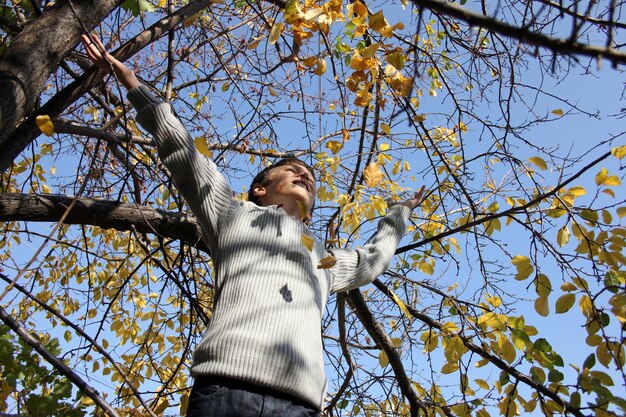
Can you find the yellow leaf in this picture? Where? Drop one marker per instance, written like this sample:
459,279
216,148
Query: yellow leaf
272,92
562,237
577,191
334,146
482,383
612,181
363,98
558,112
225,86
313,13
543,286
310,61
541,306
302,210
327,262
449,327
386,130
346,135
320,69
539,162
161,406
202,146
601,176
372,175
184,403
524,267
377,21
275,33
45,124
621,212
619,152
397,59
370,51
493,320
307,241
400,303
383,359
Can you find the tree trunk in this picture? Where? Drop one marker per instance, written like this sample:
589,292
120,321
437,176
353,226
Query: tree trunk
36,52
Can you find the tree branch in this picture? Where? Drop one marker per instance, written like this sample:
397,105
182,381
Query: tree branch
557,45
102,213
57,363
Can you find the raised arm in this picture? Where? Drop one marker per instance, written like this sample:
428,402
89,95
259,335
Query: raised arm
107,62
206,191
361,266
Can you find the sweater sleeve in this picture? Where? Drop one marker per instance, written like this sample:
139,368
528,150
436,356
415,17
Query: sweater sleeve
205,189
361,266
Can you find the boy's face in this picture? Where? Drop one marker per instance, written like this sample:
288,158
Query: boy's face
287,184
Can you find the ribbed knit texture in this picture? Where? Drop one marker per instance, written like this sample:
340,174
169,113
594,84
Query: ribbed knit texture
270,296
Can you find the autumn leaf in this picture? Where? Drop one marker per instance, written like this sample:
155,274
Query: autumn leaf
405,310
397,59
302,210
334,146
45,124
523,265
619,152
202,146
539,162
327,262
372,175
307,241
377,21
275,33
320,68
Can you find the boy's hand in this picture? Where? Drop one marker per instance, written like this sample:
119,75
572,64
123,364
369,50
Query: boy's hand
412,202
105,61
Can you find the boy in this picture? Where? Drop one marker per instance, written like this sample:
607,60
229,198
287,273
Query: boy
262,352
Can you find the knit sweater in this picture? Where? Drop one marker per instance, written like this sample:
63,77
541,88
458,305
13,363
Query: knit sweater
265,328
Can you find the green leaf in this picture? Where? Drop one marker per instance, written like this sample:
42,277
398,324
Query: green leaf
137,6
555,376
590,361
564,303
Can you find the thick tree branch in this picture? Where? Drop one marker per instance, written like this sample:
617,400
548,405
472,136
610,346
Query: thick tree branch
382,338
101,213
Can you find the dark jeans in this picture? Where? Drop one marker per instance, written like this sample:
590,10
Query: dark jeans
219,397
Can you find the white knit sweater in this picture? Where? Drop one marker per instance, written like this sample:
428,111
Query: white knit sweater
265,328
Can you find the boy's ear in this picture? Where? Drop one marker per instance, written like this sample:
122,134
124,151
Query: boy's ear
259,190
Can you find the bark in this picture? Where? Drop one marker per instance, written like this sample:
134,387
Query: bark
101,213
37,51
17,139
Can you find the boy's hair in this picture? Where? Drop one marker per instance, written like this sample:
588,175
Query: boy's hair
263,176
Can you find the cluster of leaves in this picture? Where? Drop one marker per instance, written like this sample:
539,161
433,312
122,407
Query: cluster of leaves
38,390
